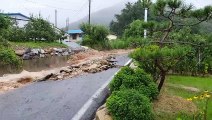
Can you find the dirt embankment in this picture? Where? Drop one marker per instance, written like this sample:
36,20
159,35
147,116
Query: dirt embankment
90,61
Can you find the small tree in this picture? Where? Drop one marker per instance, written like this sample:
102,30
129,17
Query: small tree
95,36
40,29
166,52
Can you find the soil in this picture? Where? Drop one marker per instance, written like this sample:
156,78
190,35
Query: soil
85,59
173,104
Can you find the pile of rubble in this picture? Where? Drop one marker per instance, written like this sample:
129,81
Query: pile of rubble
41,53
93,66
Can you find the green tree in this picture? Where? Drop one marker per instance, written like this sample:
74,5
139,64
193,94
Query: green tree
95,36
165,52
39,29
130,13
7,55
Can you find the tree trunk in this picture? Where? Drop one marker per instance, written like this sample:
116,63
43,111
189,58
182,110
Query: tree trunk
162,80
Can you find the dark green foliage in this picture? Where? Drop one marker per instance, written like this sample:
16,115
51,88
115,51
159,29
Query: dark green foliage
7,55
129,14
9,58
4,23
95,36
39,29
129,105
137,79
128,42
136,29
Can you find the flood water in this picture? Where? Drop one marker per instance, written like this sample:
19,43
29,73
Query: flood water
36,65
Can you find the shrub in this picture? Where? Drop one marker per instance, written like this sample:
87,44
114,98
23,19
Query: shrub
9,58
129,105
130,42
119,44
95,36
137,79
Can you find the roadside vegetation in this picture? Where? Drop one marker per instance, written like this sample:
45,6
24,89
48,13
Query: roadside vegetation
177,43
42,45
7,55
132,90
95,36
38,33
196,89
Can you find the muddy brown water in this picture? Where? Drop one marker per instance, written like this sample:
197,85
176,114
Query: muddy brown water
35,65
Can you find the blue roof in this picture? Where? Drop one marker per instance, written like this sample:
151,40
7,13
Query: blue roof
10,14
74,31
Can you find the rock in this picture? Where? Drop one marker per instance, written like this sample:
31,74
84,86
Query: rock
49,51
65,53
75,66
103,114
66,71
60,50
32,54
20,52
55,49
42,51
59,77
93,70
28,50
26,57
46,78
52,54
85,47
104,67
69,50
42,55
35,51
104,62
64,50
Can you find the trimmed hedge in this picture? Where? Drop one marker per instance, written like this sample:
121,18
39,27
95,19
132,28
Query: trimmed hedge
129,105
136,79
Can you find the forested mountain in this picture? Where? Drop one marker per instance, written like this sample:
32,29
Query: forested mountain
103,17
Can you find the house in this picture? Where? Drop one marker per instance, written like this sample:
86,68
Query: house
19,19
75,35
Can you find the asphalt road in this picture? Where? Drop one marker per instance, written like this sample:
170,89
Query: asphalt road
53,100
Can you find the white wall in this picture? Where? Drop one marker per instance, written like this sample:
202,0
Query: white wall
22,22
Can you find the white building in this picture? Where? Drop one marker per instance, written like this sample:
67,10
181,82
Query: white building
20,19
75,35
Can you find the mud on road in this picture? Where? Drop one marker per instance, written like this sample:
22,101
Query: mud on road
89,61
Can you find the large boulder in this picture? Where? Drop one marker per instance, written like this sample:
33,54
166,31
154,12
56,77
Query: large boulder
20,52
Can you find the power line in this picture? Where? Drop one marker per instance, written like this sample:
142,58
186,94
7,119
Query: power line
54,7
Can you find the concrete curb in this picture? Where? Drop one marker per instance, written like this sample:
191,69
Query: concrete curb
90,107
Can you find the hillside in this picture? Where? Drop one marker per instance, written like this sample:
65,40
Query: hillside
103,17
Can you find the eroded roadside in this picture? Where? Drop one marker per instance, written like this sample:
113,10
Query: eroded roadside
89,61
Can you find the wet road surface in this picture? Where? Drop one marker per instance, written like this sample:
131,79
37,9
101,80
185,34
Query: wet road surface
53,100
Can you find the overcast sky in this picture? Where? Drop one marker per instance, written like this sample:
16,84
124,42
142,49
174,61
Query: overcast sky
74,9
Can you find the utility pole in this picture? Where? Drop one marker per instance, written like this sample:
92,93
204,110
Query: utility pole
89,19
145,20
55,18
67,24
146,4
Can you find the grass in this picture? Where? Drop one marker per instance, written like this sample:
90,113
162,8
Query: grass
119,44
16,45
202,83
